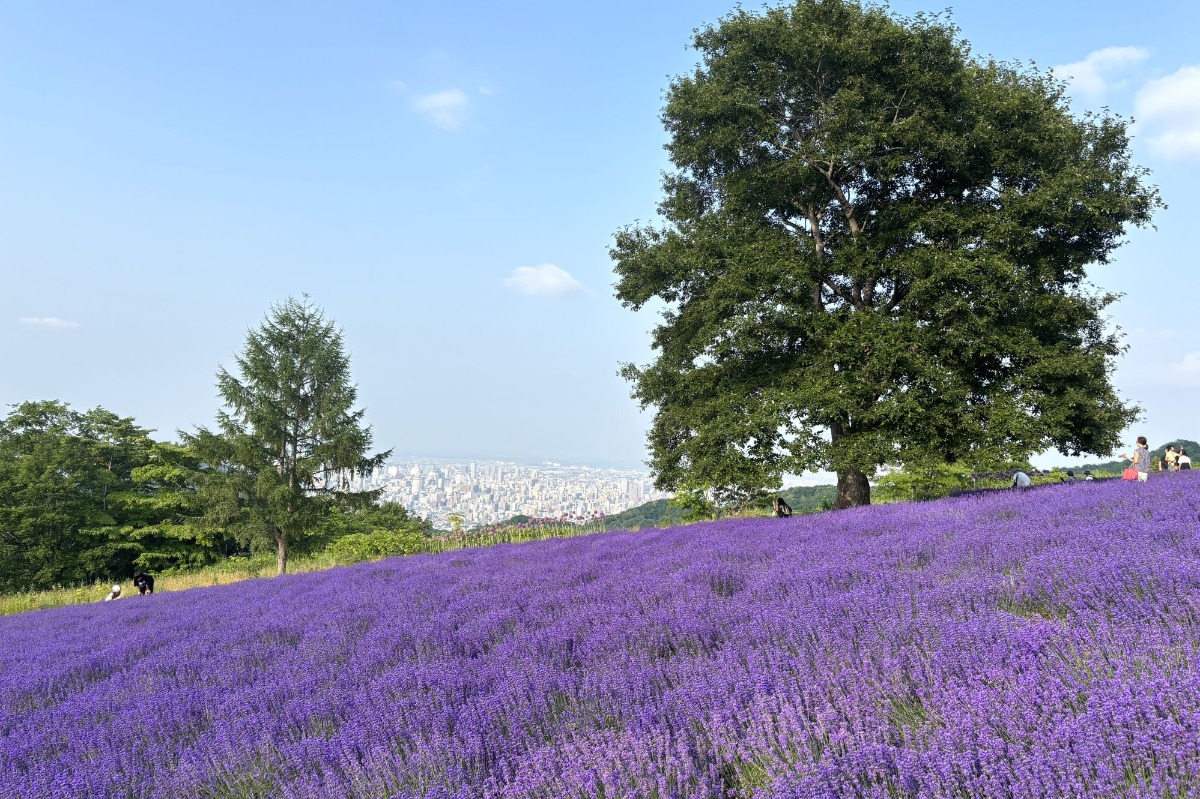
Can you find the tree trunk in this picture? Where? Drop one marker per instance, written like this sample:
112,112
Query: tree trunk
852,489
280,555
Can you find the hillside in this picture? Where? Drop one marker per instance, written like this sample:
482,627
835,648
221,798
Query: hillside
1156,454
661,513
1020,645
802,499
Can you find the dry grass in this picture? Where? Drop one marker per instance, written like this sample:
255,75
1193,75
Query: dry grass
232,571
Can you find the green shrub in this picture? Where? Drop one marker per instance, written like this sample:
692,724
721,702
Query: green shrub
357,547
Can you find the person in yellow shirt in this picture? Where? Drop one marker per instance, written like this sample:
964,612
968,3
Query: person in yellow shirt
1170,459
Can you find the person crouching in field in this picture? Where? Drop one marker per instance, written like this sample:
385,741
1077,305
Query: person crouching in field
782,509
1140,459
144,583
115,593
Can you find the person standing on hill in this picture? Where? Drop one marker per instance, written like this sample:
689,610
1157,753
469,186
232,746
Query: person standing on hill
1184,461
1170,460
1140,459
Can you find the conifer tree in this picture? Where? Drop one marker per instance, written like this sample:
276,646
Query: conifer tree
289,439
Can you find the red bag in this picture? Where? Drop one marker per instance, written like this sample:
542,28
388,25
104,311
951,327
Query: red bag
1130,473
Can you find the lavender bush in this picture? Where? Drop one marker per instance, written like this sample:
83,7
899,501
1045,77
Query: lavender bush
1042,644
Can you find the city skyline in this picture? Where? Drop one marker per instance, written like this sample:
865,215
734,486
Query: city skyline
483,491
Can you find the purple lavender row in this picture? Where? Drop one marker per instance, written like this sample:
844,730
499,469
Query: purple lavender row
1032,645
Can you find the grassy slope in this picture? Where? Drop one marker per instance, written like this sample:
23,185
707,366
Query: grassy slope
659,513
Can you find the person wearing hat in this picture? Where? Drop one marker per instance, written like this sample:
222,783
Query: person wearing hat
143,583
115,593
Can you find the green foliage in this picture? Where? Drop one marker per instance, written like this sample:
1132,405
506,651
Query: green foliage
378,531
694,506
808,499
1179,443
874,247
376,544
929,480
176,488
658,513
67,494
289,440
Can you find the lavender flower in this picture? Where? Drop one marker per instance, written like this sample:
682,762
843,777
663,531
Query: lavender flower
1034,645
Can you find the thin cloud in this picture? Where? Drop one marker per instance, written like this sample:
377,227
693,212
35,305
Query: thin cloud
545,280
1183,372
49,322
1101,71
447,109
1190,364
1169,110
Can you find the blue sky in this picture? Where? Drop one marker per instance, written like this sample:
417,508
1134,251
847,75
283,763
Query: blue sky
444,179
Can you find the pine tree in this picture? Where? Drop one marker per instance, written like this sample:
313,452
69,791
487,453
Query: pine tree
289,439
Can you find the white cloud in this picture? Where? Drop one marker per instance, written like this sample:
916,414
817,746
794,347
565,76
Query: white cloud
1094,76
546,280
446,109
1169,109
1183,372
1190,363
49,322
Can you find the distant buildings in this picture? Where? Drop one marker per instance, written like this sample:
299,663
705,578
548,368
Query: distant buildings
490,491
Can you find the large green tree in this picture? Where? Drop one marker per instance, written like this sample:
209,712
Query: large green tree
289,441
174,510
67,495
873,249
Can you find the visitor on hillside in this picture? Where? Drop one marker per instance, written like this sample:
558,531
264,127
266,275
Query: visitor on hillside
1170,457
1140,459
144,583
1087,475
782,509
115,593
1184,461
1021,481
1071,478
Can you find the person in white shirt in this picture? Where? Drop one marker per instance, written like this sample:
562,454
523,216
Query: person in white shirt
1183,462
1021,480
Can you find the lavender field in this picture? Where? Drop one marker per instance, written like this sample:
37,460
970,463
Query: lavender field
1036,645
